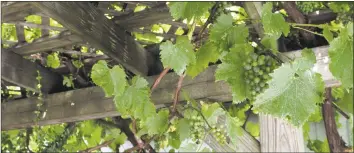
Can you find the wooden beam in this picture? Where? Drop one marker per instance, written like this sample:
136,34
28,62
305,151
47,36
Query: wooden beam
90,24
47,43
90,103
17,70
17,11
154,15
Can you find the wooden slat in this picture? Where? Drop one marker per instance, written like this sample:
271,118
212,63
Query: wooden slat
17,11
276,135
33,25
154,15
45,22
20,33
47,43
90,24
17,70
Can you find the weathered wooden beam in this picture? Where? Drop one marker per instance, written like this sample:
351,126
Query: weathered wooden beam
17,11
17,70
154,15
47,43
90,103
90,24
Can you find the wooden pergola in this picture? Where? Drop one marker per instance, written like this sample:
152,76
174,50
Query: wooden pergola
86,25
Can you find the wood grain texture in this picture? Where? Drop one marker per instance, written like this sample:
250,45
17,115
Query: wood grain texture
47,43
276,135
17,70
90,24
90,103
154,15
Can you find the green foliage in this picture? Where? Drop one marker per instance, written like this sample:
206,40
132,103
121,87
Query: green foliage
253,129
208,53
177,56
8,32
53,60
135,100
107,78
293,91
274,26
341,54
318,145
309,7
346,103
231,70
68,81
189,10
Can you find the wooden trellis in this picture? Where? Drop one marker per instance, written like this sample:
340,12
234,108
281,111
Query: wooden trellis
85,24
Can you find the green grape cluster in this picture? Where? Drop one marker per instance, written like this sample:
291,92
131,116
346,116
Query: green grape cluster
219,134
310,6
258,68
197,128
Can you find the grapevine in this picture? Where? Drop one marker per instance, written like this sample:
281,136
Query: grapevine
259,80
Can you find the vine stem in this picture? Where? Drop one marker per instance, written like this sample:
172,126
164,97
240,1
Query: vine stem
159,78
209,20
308,31
178,89
306,25
98,146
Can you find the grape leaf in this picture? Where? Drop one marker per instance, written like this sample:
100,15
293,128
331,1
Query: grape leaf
219,29
341,55
252,128
158,123
233,128
177,56
211,112
53,60
118,79
111,80
231,70
188,10
235,35
223,31
346,103
67,81
270,42
183,127
274,24
327,33
174,140
136,100
208,53
293,92
100,76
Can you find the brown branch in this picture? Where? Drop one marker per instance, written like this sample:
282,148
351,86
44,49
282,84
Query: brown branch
147,143
159,78
298,17
106,143
178,89
209,20
341,111
336,143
